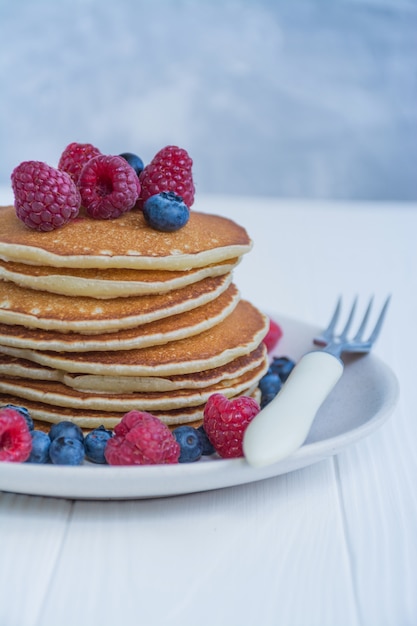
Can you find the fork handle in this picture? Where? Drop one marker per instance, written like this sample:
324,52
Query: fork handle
283,425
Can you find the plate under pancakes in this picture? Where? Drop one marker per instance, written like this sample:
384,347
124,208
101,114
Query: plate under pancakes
100,317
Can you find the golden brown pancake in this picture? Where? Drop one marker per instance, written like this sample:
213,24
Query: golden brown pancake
239,334
58,394
103,316
159,332
12,367
88,419
126,242
48,311
106,283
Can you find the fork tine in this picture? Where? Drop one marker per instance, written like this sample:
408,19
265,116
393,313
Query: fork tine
327,334
335,317
345,331
374,335
362,327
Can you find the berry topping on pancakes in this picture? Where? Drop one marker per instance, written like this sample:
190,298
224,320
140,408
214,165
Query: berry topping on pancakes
105,185
109,186
169,170
166,211
134,161
75,156
45,198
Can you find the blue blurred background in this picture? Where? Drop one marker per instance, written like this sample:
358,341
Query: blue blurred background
305,99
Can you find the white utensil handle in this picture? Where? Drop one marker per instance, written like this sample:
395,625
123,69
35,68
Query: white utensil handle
283,425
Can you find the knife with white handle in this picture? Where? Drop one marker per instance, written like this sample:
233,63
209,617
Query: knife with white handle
281,427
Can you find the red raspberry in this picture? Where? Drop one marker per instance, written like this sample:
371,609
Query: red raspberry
141,439
273,335
75,156
225,422
109,186
15,437
169,170
45,198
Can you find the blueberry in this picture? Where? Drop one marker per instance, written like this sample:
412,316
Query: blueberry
134,161
190,443
66,429
23,411
166,211
40,447
66,451
282,366
95,443
206,445
269,385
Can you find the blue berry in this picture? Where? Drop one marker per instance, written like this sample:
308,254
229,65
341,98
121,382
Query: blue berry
23,411
40,447
206,445
166,211
66,451
282,366
134,161
269,385
190,444
95,443
66,429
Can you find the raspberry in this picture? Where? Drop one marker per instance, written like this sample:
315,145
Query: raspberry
23,411
15,437
141,439
45,198
169,170
225,422
109,187
273,335
74,157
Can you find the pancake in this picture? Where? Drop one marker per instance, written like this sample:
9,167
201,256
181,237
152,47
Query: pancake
107,283
57,394
159,332
100,317
126,242
47,311
14,367
88,419
238,334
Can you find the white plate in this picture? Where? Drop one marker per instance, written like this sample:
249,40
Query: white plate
362,400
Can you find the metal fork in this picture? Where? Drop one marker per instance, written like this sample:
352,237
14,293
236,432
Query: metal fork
283,425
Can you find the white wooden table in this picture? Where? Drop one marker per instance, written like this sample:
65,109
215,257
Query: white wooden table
334,543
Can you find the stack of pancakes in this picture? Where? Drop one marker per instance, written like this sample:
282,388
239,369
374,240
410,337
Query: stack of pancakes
101,317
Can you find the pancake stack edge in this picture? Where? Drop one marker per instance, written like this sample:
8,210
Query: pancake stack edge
101,317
